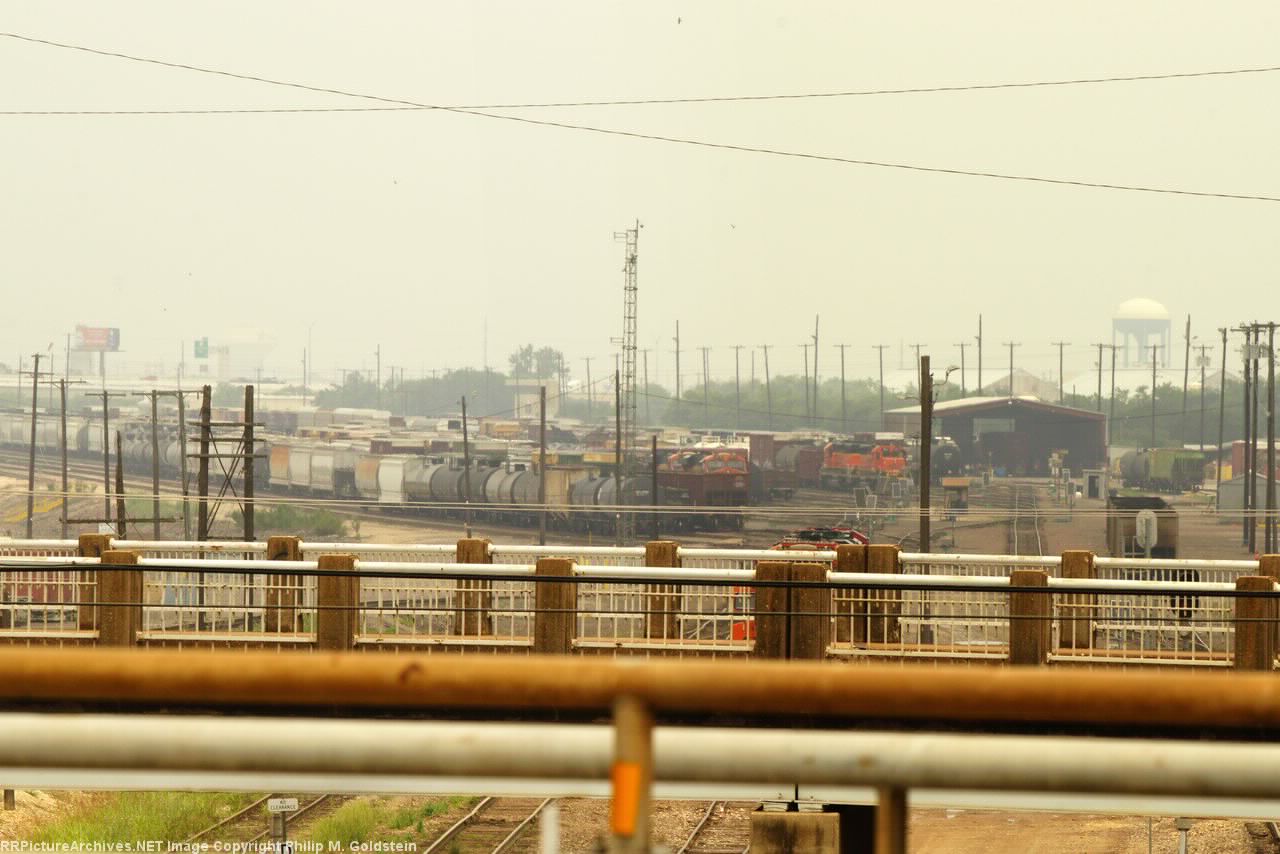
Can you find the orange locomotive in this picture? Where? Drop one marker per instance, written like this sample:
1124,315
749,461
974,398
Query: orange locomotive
862,461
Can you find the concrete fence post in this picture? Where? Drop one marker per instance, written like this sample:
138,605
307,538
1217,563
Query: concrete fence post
809,626
119,600
282,590
1255,618
90,545
337,600
1079,610
555,616
662,617
773,607
849,604
1030,629
474,598
884,607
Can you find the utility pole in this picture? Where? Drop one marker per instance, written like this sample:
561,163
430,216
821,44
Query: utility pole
1061,345
1248,439
917,348
926,448
591,397
66,492
1257,410
106,396
979,354
1011,345
737,388
1111,404
121,520
617,452
1270,528
844,401
246,506
155,467
648,417
1203,362
1100,346
377,354
808,406
768,389
202,475
182,465
542,465
880,348
655,495
1154,365
1222,420
1186,371
466,471
31,465
815,370
706,385
677,340
964,389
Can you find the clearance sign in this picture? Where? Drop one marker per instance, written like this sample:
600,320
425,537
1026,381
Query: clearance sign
98,338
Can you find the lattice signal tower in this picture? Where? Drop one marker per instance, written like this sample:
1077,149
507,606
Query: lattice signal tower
631,237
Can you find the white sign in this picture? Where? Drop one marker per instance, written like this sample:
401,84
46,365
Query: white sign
282,805
1145,532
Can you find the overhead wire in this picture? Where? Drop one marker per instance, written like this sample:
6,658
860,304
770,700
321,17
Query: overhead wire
653,137
630,102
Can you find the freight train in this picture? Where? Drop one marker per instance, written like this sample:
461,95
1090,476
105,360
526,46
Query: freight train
1163,469
580,497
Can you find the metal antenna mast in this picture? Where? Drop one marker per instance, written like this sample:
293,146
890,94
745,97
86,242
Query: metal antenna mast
627,426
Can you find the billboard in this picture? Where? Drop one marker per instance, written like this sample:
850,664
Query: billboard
103,339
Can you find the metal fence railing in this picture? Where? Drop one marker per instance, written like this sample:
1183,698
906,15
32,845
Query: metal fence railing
916,607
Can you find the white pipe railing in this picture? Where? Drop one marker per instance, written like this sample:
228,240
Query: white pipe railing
249,747
643,574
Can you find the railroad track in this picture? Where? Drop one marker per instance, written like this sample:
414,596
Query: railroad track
1019,500
247,824
494,826
1025,526
715,834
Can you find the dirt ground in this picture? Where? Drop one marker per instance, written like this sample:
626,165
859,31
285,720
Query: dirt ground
973,831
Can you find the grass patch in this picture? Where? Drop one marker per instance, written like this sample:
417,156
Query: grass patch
366,819
141,508
297,521
134,816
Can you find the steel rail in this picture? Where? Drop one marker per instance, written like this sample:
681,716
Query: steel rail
228,820
458,826
299,814
506,844
789,689
693,837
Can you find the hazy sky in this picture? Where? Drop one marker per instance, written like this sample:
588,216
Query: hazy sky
412,228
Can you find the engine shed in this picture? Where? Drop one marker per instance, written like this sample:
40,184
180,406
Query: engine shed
1013,435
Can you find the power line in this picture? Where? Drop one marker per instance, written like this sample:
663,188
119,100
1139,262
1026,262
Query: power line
626,102
652,137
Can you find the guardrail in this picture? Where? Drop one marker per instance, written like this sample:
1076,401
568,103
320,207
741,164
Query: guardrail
771,755
857,604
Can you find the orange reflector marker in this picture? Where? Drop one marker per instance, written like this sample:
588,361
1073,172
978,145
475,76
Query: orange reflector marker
626,798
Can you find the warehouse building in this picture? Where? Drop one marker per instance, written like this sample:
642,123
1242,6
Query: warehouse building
1014,435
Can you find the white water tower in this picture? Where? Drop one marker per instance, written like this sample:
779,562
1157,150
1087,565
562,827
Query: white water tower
1143,322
